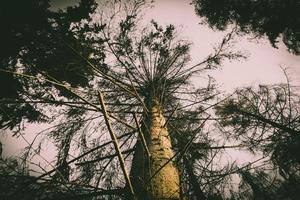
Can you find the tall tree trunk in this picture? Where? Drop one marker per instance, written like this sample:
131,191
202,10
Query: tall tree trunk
150,179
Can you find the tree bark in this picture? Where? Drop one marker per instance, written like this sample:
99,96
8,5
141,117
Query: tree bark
149,179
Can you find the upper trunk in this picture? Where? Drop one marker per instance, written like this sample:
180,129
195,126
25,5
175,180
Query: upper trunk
156,177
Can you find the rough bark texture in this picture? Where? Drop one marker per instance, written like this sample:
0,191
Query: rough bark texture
165,182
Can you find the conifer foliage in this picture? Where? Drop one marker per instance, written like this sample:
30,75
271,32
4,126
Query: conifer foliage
120,107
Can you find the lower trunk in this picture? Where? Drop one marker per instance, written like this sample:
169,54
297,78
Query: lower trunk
152,177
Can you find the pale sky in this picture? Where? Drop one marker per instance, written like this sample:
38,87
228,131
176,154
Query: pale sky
262,65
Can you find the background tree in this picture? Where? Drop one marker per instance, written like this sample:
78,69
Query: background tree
267,119
33,42
275,18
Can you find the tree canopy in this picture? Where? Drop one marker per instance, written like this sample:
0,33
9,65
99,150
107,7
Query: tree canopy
106,86
274,18
35,44
267,119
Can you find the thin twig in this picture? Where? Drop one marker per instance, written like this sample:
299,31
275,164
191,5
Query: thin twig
105,157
